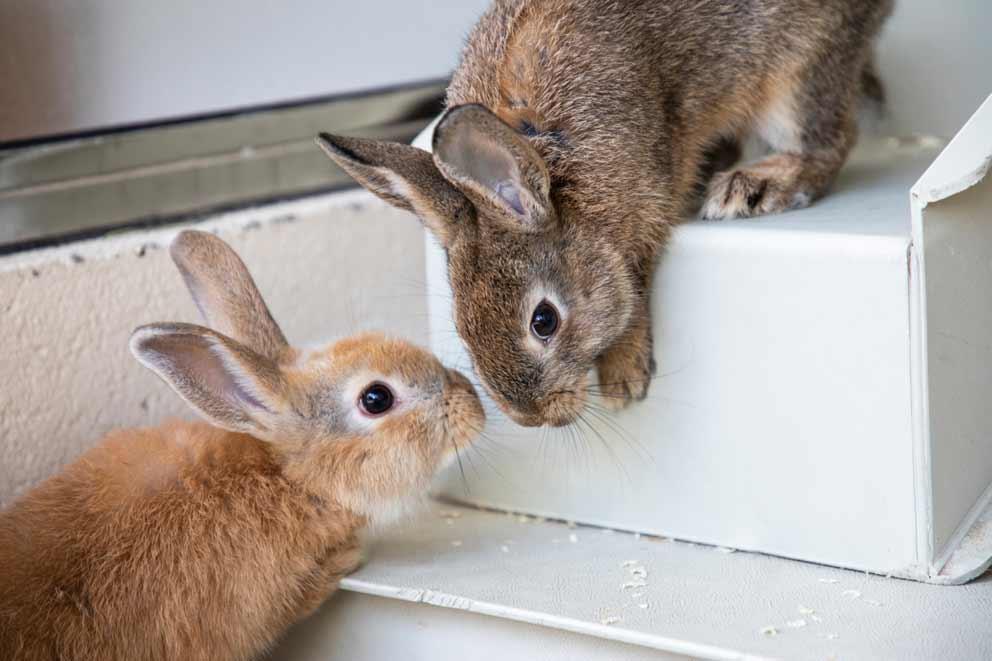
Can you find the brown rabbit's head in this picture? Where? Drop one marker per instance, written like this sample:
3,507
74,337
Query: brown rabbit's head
366,421
535,303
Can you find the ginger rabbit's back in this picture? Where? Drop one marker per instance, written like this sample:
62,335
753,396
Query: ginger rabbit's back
118,556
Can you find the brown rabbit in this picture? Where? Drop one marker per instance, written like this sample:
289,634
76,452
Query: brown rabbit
578,132
193,541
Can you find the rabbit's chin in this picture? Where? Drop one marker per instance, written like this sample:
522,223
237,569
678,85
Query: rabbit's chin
383,515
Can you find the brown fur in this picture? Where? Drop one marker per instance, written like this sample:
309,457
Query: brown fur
624,104
193,541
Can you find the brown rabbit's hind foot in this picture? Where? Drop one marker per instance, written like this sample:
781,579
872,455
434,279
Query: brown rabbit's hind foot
772,185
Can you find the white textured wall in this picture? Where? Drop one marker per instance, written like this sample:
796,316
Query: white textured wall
327,266
67,66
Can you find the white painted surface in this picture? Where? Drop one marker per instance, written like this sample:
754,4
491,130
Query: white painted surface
952,210
327,266
964,162
782,420
702,602
958,235
68,66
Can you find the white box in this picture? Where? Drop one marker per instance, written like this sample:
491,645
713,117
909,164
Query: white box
826,388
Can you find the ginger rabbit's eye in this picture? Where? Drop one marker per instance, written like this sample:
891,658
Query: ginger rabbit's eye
376,399
544,321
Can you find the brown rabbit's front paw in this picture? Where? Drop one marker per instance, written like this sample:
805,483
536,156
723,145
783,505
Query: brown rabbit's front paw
766,187
625,373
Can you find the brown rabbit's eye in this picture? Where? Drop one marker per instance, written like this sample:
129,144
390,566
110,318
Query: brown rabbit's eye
376,399
544,321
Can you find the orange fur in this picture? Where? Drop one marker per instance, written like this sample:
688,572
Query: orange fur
200,542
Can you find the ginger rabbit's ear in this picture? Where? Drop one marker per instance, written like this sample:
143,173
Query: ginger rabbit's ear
225,293
495,166
227,383
404,176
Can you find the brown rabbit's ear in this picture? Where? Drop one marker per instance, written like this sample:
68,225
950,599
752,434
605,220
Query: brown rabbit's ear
230,385
494,165
404,176
225,293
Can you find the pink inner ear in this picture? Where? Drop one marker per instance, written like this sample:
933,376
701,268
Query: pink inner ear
511,195
223,379
192,359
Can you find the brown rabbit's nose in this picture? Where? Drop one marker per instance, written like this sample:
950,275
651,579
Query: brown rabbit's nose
522,419
557,410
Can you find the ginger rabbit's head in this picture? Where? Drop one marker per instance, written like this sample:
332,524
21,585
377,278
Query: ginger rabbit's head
366,421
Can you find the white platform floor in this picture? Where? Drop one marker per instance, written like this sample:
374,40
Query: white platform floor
696,601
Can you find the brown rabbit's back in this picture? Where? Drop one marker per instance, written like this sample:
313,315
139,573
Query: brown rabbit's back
184,541
616,93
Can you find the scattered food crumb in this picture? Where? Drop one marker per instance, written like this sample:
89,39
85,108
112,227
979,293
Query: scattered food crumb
806,611
451,514
523,518
570,524
872,602
829,580
636,595
630,585
796,624
851,594
769,631
611,620
816,618
643,605
726,549
456,542
828,636
637,535
504,548
639,572
573,538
